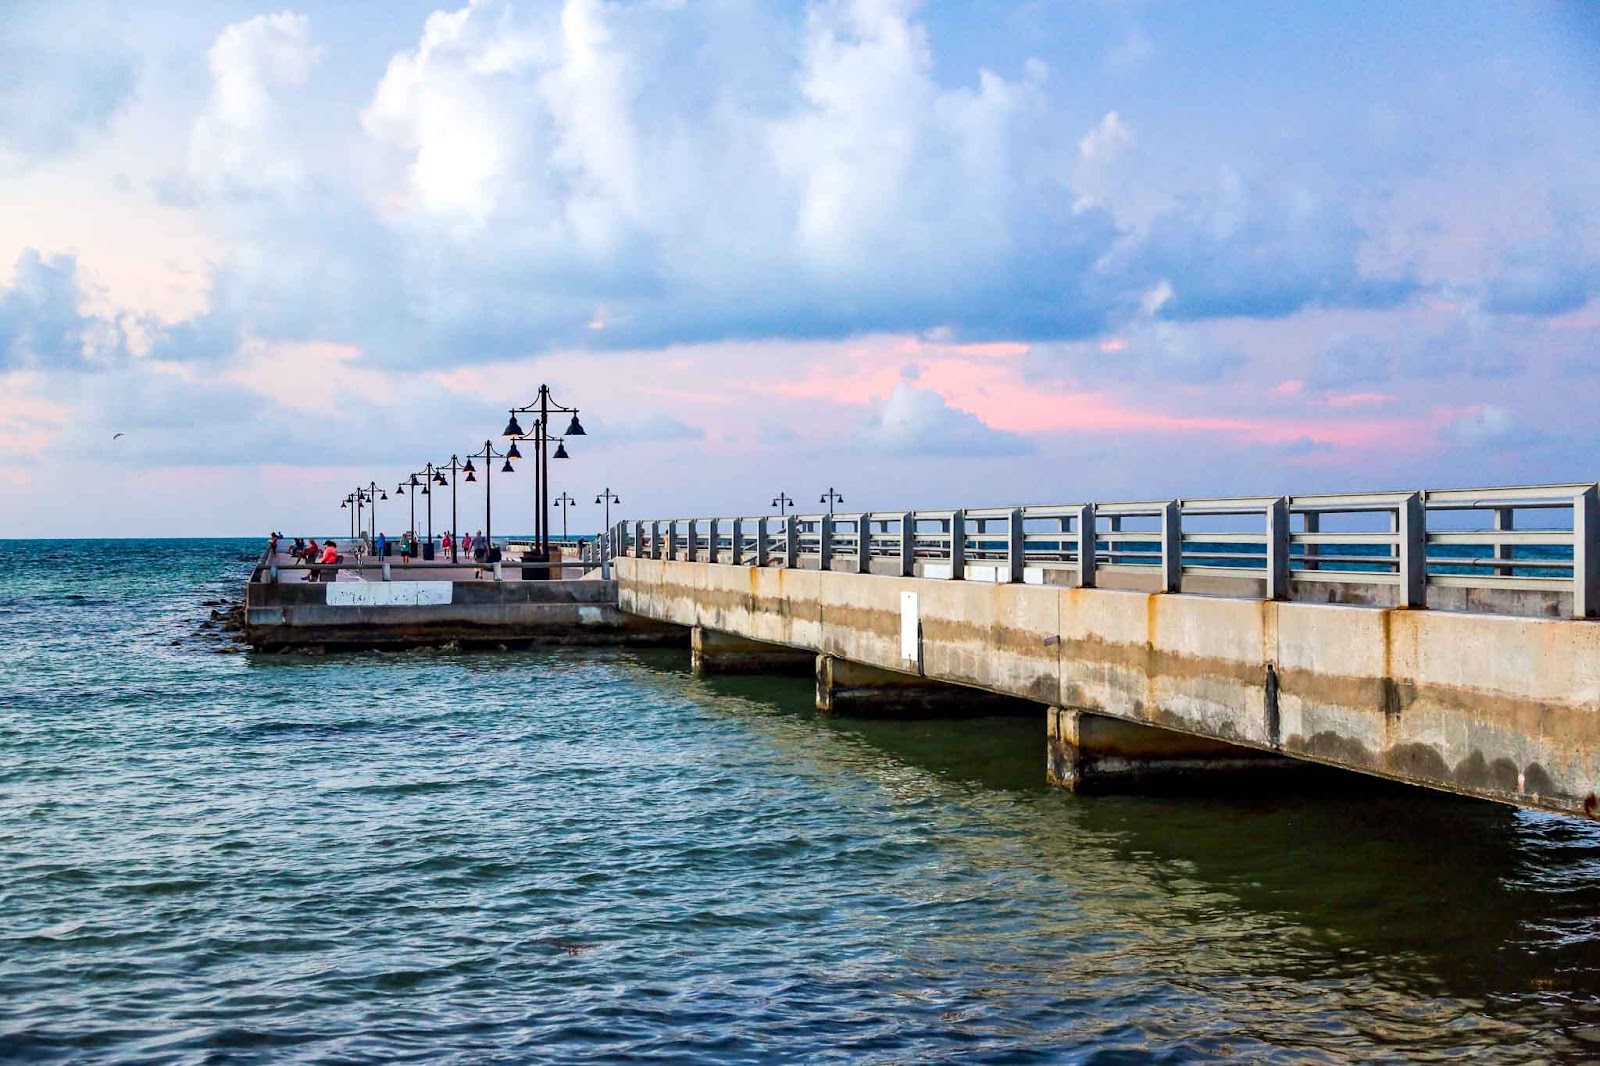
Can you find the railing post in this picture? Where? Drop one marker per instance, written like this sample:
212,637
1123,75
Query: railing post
1411,530
908,544
655,540
825,542
387,576
1172,546
1278,549
692,547
608,545
1504,522
1586,553
864,544
737,542
1016,545
958,545
763,550
1088,545
791,543
1309,552
672,539
714,541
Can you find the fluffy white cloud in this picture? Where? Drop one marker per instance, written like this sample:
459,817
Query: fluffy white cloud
775,187
244,139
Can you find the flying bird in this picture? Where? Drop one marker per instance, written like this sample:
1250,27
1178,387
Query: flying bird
114,436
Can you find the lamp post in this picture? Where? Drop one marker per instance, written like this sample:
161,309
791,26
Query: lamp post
454,466
543,405
606,547
488,455
345,506
373,496
782,502
608,498
830,498
400,490
563,501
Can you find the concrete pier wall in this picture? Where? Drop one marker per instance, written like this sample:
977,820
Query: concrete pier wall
1504,708
369,614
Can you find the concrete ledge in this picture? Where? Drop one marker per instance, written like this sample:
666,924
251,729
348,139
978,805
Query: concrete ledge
713,652
477,613
845,687
1091,752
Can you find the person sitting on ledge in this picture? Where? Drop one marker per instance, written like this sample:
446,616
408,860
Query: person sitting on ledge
330,557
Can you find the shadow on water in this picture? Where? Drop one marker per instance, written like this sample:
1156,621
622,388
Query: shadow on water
1434,893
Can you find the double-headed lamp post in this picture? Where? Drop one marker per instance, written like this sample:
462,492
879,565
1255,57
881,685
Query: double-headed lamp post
606,546
608,498
455,468
830,498
488,455
400,490
563,501
782,502
352,503
542,407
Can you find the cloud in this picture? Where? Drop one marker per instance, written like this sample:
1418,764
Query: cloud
1546,278
54,94
532,163
918,422
41,324
243,142
1146,350
651,427
1246,250
1489,426
1346,362
1106,142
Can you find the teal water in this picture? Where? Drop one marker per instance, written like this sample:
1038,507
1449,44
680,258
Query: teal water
591,856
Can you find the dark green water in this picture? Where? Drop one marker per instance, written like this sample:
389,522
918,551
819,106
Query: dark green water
592,856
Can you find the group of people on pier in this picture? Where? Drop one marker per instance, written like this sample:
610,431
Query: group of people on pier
475,547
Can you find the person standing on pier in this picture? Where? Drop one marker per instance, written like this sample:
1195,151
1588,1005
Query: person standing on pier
380,547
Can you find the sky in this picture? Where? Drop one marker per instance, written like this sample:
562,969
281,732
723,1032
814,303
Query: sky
939,254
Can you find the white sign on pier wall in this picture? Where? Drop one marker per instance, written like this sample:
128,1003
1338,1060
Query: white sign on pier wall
388,593
910,629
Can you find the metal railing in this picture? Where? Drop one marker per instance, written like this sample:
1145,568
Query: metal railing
1541,538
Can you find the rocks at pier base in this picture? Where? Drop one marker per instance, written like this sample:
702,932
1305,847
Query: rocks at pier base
712,652
1093,752
851,688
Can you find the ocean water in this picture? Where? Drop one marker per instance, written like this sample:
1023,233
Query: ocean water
592,856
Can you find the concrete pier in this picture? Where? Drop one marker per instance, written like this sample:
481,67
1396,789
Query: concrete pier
852,688
1093,752
1494,706
431,605
713,652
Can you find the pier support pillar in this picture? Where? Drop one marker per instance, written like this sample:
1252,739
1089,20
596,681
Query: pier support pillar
1092,752
712,652
845,687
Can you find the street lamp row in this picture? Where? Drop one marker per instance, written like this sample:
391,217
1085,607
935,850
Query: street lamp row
539,435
